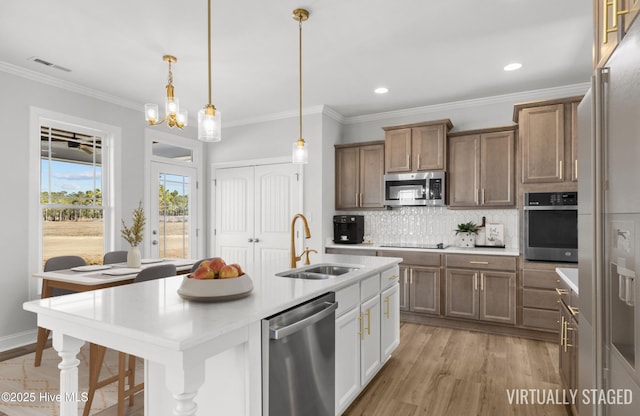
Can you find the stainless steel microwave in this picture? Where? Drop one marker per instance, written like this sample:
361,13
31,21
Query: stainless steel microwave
411,189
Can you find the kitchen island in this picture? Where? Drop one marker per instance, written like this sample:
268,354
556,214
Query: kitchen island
205,353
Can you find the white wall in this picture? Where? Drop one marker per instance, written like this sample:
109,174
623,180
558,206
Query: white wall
19,94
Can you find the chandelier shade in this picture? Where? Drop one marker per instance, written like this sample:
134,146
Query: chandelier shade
173,116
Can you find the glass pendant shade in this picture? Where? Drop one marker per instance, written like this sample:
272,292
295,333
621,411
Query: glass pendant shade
209,125
300,152
182,118
171,106
151,113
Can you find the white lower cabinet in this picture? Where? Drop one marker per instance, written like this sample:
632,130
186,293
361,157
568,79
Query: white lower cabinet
367,332
389,321
370,339
347,358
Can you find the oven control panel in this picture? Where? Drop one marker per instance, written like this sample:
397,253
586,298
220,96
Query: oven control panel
546,199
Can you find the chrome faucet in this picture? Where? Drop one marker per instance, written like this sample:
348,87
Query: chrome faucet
307,234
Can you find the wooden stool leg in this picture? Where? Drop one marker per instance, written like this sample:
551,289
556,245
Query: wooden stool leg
96,358
121,377
43,335
132,377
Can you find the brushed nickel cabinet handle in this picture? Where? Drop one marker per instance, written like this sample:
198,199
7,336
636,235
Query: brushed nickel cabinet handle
478,262
561,170
575,168
482,196
482,281
475,281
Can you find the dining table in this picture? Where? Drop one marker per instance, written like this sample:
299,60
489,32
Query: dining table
93,277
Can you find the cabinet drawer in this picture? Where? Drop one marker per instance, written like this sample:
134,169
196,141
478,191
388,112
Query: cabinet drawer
479,262
347,298
369,287
540,298
414,258
389,277
542,279
541,318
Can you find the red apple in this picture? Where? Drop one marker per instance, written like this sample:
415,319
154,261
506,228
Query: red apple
204,263
204,273
227,272
216,264
237,266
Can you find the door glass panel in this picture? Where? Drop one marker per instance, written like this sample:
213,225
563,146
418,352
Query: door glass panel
173,215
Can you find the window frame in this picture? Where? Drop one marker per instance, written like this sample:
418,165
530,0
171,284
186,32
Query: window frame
111,178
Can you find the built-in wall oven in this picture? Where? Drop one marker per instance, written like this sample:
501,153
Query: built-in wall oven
551,226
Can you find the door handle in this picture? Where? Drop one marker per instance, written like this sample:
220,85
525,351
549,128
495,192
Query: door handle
251,240
154,242
303,323
256,240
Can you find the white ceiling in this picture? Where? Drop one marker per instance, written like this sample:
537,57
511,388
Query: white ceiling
425,52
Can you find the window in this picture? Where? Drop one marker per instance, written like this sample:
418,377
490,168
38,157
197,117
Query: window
71,185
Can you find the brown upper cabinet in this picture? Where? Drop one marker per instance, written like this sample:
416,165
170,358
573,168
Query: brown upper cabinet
359,175
613,19
416,147
482,168
548,140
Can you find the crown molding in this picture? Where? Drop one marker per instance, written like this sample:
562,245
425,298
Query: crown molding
318,109
66,85
546,93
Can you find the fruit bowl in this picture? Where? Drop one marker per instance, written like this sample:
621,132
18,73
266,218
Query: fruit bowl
215,290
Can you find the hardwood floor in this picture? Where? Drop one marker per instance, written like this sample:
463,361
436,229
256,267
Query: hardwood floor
448,372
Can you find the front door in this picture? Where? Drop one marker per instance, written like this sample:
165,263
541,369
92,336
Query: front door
172,218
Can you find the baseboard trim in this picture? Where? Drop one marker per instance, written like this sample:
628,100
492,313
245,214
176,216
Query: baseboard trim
18,340
478,326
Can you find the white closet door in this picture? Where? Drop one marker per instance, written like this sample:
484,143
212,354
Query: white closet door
277,200
235,214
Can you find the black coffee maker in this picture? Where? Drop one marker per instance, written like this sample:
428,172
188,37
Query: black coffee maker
348,229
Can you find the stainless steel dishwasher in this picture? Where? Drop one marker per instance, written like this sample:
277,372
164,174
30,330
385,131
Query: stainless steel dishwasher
298,360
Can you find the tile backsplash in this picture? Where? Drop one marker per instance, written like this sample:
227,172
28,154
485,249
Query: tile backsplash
432,225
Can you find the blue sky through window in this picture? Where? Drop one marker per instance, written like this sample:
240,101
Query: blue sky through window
70,177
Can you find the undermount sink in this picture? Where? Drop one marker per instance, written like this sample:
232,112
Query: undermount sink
324,271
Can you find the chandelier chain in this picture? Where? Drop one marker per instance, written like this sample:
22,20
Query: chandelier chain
300,66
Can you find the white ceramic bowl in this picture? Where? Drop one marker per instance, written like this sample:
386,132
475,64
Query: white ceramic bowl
215,290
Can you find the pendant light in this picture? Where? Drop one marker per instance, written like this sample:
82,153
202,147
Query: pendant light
300,153
172,114
209,123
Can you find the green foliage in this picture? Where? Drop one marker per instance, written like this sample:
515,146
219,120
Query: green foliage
467,227
133,235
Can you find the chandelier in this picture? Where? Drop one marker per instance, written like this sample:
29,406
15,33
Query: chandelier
172,114
209,123
300,153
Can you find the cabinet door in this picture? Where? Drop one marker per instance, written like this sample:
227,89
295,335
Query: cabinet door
608,30
347,177
574,142
462,294
404,288
498,297
397,150
425,290
370,343
464,171
497,174
542,140
347,358
390,321
371,176
428,146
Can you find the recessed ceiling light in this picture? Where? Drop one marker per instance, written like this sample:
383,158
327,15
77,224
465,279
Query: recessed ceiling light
381,90
513,66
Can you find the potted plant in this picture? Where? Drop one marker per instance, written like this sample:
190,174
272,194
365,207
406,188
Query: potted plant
467,233
133,236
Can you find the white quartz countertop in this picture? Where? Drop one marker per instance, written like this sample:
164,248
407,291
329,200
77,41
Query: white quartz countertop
153,312
449,250
570,276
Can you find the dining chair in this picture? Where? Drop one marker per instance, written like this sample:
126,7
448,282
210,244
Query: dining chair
52,264
126,362
115,257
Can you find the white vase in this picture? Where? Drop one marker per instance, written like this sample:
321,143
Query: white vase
467,240
134,258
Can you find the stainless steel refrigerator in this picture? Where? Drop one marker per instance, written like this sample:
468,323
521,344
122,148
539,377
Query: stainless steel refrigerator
609,235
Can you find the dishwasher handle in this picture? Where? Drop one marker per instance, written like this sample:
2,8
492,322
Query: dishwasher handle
303,323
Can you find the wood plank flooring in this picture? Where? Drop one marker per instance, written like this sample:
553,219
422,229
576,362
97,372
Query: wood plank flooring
448,372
